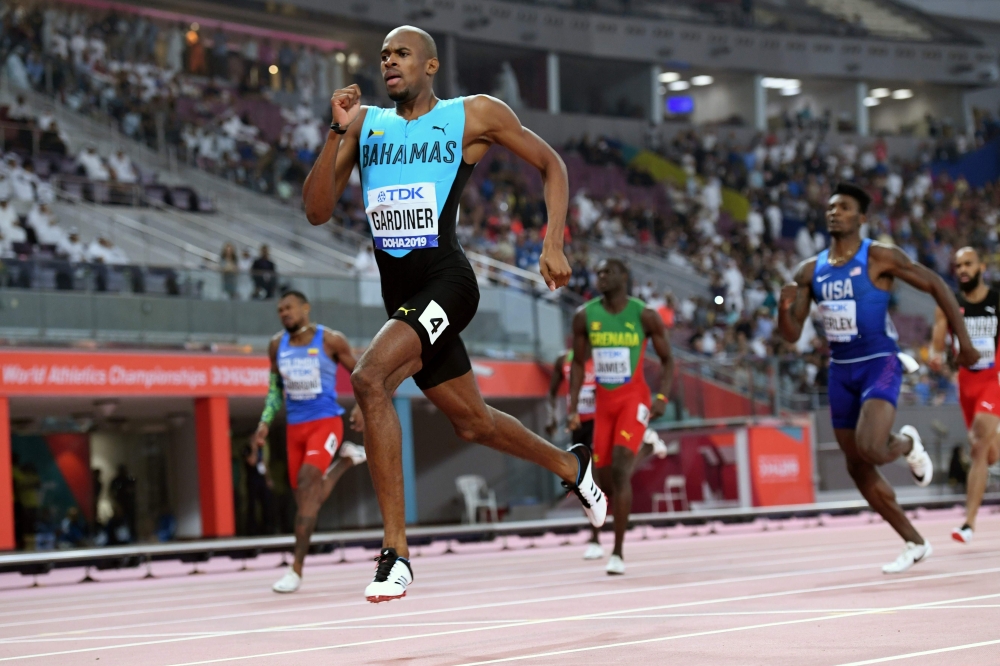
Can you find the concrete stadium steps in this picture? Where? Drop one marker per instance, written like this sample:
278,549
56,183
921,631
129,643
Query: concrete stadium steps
877,18
140,248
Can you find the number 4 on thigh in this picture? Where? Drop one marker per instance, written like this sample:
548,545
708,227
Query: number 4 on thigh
331,444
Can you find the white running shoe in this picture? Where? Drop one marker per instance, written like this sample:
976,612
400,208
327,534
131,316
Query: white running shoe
912,553
595,551
920,462
595,503
616,566
962,534
355,452
653,439
288,583
392,575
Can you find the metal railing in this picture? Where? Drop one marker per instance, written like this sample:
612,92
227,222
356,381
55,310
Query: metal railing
741,386
54,299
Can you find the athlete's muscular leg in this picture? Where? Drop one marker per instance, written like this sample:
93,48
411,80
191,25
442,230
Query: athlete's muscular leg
313,491
391,357
875,488
876,443
622,464
985,443
475,421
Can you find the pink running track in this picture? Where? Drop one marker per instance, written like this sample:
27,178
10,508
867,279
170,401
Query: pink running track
793,593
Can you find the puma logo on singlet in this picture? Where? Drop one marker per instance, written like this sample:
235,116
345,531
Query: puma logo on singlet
626,435
435,127
406,311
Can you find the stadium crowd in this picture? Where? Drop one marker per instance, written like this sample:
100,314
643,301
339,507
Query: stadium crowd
210,95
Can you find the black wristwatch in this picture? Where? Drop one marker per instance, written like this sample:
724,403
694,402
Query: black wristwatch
336,128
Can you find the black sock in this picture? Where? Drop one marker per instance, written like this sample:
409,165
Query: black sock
965,526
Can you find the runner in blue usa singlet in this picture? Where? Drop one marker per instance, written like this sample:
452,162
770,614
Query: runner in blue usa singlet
863,349
851,284
414,160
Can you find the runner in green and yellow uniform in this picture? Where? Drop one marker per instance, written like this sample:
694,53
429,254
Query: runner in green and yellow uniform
614,330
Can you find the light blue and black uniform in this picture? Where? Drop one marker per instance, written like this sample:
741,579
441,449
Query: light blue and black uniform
412,176
309,377
864,362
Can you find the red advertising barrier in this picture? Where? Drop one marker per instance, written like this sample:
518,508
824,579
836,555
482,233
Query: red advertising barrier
61,373
781,464
68,373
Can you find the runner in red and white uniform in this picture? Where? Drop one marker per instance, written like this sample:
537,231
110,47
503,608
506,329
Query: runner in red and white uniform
979,385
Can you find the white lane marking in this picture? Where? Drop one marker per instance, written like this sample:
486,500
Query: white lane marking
454,570
448,578
697,634
925,653
809,590
578,617
690,547
855,552
830,552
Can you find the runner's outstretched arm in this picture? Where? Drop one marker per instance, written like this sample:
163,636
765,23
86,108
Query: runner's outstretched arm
578,368
339,349
898,265
332,170
796,296
938,335
275,396
657,333
495,123
555,381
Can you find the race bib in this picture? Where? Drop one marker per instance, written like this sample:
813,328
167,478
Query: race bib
987,348
588,402
612,365
403,217
301,378
840,320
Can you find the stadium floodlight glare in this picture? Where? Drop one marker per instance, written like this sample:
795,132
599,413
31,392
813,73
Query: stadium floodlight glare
719,300
871,101
703,80
902,93
780,84
669,77
879,93
341,57
679,85
790,92
273,69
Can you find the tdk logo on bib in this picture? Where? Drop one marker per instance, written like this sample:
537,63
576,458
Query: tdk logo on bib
403,217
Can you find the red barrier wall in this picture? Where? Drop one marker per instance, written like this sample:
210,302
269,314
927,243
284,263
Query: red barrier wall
215,474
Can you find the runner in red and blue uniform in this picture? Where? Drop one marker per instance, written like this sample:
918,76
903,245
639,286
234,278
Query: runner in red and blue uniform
304,360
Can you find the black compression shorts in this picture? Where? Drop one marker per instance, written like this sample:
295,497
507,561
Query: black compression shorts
584,434
438,306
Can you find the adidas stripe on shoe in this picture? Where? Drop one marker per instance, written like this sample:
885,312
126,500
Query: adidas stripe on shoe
392,576
595,502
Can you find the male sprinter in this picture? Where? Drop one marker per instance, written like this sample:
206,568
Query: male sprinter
414,161
978,385
585,433
304,362
851,282
613,330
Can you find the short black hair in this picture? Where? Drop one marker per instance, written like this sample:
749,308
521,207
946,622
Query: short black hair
856,193
615,261
297,294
